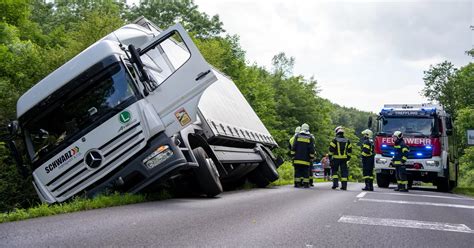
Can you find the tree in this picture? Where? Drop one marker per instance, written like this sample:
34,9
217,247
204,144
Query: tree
166,13
440,86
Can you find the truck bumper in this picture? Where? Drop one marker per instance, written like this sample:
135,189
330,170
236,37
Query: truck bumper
134,175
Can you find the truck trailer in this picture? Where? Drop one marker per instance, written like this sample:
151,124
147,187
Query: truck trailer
428,131
137,108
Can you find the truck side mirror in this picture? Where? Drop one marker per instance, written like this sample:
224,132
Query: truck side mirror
18,159
449,126
13,128
369,124
135,59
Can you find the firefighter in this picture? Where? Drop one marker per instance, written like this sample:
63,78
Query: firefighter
303,153
290,143
340,150
368,160
398,161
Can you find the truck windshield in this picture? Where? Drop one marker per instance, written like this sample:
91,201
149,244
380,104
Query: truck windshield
410,126
78,110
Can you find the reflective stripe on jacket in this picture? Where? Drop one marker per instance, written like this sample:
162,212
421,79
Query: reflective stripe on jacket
340,148
302,149
367,147
400,153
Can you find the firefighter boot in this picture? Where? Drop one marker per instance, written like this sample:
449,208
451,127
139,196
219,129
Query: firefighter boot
335,183
371,185
399,186
311,182
403,188
366,185
344,185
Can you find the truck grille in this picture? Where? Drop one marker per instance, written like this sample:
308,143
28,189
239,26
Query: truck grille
115,152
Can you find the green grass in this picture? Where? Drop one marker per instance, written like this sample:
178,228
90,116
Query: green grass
80,204
469,191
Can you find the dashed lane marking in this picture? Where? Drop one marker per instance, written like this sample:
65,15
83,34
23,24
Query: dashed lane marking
419,203
362,194
430,196
406,223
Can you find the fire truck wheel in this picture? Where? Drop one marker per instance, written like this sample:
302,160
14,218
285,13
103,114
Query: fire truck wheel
207,174
383,181
442,184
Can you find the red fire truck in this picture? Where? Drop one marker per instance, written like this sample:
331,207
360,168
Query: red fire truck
427,130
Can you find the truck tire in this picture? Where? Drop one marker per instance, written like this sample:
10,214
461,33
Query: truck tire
258,179
268,167
207,174
442,184
383,181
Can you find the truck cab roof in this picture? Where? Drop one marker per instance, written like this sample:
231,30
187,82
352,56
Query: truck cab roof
107,46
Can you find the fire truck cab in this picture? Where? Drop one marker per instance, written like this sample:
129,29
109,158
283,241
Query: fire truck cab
427,130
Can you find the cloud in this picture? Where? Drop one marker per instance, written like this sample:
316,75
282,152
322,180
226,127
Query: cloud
362,53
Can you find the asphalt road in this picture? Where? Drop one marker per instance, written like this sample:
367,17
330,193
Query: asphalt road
274,217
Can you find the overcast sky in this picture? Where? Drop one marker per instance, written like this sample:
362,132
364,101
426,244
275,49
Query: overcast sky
362,53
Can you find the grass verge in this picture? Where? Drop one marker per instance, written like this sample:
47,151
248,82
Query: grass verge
80,204
469,191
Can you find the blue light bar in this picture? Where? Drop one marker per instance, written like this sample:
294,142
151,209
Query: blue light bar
393,153
428,147
419,154
384,145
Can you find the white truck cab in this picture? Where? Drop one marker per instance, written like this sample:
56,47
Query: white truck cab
124,114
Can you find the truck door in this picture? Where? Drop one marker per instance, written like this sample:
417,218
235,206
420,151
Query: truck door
179,74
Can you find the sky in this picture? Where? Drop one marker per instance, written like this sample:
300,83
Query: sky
362,53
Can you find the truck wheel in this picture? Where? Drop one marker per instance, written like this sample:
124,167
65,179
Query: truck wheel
442,184
268,167
383,181
258,179
207,174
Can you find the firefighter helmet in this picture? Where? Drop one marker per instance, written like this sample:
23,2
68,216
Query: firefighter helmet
305,128
397,135
339,129
298,129
367,133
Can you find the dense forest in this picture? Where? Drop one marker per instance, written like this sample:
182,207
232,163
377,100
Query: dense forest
36,37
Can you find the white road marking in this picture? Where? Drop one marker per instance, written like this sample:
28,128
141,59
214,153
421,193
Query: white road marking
431,196
406,223
419,203
362,194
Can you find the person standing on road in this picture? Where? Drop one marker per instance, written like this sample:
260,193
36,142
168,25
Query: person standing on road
368,160
326,167
290,143
302,153
340,150
399,159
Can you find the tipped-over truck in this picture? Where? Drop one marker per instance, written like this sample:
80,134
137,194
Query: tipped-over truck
428,131
137,108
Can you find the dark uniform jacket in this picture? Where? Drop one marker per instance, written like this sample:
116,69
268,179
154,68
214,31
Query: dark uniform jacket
302,150
340,148
367,147
401,152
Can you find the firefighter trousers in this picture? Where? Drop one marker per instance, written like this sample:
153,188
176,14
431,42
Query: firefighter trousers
368,171
401,175
342,165
301,174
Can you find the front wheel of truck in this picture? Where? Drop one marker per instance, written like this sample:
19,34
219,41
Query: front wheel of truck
207,174
383,180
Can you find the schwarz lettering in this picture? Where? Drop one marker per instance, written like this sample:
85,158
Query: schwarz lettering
60,160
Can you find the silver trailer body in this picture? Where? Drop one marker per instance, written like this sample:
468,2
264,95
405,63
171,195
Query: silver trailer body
226,113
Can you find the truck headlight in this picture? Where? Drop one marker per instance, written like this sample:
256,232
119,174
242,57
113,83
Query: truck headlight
160,155
432,163
380,160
